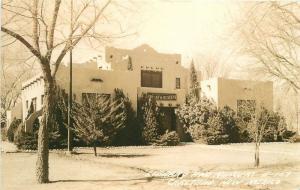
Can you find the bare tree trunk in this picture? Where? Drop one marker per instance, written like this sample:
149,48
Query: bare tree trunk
256,157
95,150
42,165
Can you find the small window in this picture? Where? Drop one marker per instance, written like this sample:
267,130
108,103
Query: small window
42,99
26,104
96,80
34,103
177,83
111,56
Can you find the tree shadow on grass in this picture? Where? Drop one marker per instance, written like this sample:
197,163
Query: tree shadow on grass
144,179
116,155
122,155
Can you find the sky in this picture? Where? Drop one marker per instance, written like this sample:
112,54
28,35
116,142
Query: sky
192,28
188,27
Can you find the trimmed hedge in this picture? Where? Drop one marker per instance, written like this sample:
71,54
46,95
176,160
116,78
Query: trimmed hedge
169,139
26,141
12,129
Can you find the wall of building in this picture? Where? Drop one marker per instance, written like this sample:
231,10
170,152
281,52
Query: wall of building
33,88
228,91
83,82
88,78
146,58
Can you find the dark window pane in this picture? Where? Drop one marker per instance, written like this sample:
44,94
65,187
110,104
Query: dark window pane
177,83
151,79
34,103
42,100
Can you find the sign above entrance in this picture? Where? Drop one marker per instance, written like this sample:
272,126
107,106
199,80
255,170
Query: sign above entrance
163,96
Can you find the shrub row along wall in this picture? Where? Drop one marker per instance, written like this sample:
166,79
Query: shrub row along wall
99,122
207,124
104,123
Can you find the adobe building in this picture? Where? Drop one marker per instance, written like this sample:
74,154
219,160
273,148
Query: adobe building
235,93
143,70
135,71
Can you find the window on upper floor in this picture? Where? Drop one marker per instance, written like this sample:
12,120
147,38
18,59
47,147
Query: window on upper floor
42,100
34,103
151,79
177,83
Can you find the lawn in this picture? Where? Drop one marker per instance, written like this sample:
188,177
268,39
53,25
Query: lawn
190,166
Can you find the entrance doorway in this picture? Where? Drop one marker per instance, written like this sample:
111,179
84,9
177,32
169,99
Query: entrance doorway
168,118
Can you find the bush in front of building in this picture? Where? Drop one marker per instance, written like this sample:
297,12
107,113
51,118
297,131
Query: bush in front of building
206,124
198,132
287,135
130,133
212,132
149,119
228,117
275,127
194,116
98,120
169,139
12,129
26,141
3,134
216,130
57,133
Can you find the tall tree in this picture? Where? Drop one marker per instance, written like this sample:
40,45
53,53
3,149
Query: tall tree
43,27
214,64
149,114
99,119
194,83
14,70
254,119
258,124
270,36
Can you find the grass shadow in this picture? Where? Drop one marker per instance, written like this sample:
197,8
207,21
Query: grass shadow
146,179
113,155
122,155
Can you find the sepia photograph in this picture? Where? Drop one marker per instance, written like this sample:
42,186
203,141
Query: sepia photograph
150,94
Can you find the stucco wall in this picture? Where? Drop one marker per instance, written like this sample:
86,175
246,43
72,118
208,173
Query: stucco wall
33,88
228,91
143,58
126,80
146,58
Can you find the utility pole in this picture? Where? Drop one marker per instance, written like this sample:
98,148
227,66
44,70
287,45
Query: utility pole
70,87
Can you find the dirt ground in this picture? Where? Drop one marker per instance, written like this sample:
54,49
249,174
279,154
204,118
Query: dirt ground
190,166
